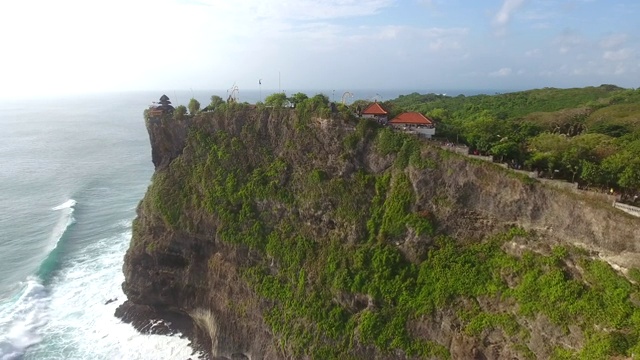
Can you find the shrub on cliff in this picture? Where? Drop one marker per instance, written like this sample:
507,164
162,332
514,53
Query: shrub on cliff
194,106
180,112
276,100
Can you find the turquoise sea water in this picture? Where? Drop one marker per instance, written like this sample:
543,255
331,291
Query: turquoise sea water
71,174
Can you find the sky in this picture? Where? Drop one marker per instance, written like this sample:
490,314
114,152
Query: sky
88,46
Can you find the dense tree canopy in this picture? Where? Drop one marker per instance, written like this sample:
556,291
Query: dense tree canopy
588,135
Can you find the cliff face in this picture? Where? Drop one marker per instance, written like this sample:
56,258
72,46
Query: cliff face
271,234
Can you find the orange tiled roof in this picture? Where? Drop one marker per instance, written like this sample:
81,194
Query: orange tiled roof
413,118
374,109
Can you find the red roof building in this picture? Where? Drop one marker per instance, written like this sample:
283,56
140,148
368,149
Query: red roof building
375,111
414,122
412,118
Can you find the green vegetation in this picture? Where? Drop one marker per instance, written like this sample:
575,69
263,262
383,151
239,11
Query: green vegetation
216,102
327,295
588,135
194,106
276,99
180,112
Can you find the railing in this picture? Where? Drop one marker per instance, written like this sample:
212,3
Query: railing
632,210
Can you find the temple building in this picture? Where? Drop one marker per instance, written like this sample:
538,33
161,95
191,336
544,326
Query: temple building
376,112
414,122
161,107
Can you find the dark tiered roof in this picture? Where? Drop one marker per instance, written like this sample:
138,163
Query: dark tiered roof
162,107
164,100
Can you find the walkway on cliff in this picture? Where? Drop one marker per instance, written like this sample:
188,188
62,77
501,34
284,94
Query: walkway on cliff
558,184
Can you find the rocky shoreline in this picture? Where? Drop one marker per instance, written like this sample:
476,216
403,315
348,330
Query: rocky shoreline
158,321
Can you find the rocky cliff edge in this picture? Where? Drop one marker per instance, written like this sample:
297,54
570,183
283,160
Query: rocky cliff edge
267,233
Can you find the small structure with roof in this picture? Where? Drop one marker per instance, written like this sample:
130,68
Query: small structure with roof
376,112
414,122
163,106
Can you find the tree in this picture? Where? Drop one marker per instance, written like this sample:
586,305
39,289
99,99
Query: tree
194,106
612,167
592,174
216,101
297,98
484,131
546,151
276,100
506,150
179,112
439,115
319,100
359,105
572,159
630,177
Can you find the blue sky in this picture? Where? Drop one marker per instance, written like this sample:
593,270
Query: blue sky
77,46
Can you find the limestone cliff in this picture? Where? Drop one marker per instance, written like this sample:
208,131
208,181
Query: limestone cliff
274,233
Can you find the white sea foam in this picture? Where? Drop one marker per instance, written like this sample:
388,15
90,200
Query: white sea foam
64,221
70,317
65,205
21,318
81,325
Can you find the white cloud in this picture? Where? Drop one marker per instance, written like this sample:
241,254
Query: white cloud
173,44
620,69
505,71
436,39
613,41
440,39
504,15
301,9
618,55
568,40
532,53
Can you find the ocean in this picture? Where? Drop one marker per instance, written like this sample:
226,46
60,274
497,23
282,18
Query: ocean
72,171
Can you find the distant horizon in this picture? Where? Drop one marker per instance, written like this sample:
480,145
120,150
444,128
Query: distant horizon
254,93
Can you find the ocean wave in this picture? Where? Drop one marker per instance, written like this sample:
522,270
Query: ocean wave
65,220
24,314
66,311
65,205
83,297
21,319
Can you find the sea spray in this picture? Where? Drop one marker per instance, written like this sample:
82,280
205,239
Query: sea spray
23,316
81,323
20,319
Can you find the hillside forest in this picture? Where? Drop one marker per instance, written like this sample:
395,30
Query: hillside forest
586,135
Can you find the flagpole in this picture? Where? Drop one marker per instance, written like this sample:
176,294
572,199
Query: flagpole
260,86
